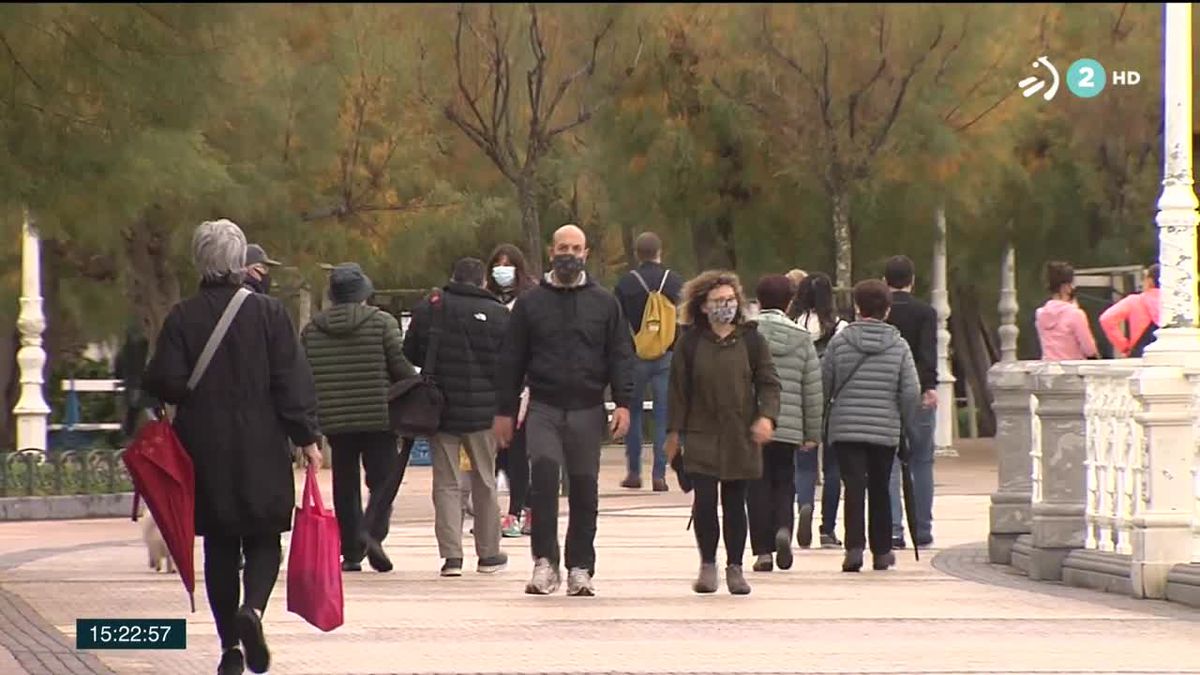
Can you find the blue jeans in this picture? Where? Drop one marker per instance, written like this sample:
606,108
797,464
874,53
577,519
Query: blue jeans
657,374
920,443
806,484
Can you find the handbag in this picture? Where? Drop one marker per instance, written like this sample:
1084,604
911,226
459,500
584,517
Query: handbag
314,576
415,403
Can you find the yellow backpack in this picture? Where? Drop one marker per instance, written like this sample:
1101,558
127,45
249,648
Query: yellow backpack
658,322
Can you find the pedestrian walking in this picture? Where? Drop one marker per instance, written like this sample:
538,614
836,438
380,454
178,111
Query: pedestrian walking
238,423
797,431
1062,327
356,352
258,269
917,323
814,310
648,298
508,279
1140,313
571,339
471,324
871,388
723,410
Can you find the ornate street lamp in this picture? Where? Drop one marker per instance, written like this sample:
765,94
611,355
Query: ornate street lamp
31,410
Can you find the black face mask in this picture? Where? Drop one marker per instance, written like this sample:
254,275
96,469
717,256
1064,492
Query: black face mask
262,285
567,267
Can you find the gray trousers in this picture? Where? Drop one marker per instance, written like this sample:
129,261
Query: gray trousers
447,496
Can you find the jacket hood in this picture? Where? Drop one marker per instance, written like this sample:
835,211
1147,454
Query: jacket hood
1054,315
344,319
784,336
872,337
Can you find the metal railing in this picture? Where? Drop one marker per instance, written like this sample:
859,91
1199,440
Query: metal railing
33,473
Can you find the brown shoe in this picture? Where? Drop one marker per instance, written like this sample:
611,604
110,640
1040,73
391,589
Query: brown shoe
632,483
660,485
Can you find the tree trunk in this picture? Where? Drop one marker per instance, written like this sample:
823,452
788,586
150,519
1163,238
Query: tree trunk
842,241
9,389
973,356
150,280
531,226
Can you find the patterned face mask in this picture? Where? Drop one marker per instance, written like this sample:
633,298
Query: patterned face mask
724,314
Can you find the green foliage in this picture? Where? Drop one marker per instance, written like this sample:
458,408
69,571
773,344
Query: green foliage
322,130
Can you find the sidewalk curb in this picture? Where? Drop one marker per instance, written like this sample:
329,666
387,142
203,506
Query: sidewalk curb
67,507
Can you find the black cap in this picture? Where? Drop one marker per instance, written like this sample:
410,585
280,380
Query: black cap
255,254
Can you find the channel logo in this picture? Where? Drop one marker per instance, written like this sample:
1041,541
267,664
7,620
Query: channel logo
1033,84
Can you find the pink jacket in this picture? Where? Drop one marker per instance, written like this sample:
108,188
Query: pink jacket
1140,310
1064,332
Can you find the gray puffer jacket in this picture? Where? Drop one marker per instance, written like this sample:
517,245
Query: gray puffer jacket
799,371
883,391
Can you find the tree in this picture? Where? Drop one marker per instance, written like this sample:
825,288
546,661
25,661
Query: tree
484,107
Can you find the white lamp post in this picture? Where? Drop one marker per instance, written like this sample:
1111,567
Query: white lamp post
31,410
1178,339
943,437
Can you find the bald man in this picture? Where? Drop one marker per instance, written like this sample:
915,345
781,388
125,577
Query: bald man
568,338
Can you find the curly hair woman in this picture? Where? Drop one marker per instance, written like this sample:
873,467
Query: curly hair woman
724,400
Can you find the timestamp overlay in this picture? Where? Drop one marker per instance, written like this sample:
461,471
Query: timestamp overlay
103,634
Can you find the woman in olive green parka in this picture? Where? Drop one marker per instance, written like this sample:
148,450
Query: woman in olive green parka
724,400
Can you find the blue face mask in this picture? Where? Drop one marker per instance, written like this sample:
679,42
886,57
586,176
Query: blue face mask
505,275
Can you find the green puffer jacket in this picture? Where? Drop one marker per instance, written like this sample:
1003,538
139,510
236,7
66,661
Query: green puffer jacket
356,352
799,369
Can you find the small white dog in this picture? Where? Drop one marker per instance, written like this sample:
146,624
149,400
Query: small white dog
156,547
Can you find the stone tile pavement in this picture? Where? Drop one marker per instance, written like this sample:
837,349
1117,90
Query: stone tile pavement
952,614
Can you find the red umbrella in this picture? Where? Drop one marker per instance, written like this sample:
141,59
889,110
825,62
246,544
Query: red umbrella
162,475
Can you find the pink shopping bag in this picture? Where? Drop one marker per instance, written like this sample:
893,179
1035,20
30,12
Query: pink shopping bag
314,579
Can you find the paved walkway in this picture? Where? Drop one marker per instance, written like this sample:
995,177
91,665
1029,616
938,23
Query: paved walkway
923,617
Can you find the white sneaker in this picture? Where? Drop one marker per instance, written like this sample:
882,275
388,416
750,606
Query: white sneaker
545,580
579,584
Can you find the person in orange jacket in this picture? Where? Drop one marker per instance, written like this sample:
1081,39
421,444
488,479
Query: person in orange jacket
1141,311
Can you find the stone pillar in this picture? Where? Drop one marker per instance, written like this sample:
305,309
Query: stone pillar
1178,340
943,439
1162,532
1060,505
1012,387
31,410
1008,306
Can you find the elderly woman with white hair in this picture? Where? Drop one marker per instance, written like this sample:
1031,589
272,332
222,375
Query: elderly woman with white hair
239,422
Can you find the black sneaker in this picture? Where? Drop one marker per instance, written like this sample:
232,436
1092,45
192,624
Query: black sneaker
899,543
380,562
452,568
830,541
925,542
232,663
804,527
348,566
250,632
885,561
783,549
491,564
764,563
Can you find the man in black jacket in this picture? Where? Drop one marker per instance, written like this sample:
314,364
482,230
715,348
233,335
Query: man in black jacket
633,290
917,322
470,325
569,336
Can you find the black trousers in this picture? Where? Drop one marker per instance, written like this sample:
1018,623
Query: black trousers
769,499
222,556
733,507
514,461
583,500
377,452
866,473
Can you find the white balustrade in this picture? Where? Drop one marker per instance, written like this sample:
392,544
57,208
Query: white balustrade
1194,378
1115,462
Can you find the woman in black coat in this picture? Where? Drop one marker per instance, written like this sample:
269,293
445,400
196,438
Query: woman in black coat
256,395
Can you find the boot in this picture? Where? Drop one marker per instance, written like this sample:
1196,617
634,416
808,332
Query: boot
707,581
884,561
853,561
736,580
